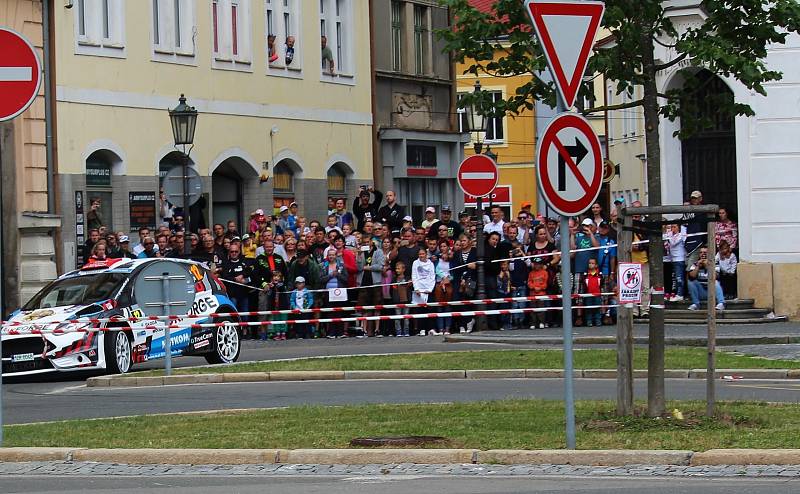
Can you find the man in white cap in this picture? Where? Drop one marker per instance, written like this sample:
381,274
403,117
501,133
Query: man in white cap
430,217
283,221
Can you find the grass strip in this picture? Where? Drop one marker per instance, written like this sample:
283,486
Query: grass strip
512,424
675,358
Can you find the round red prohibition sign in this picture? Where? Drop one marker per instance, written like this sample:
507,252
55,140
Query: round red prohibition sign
630,278
477,175
569,164
20,74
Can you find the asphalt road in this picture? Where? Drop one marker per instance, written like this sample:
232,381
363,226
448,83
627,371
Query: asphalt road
391,484
37,402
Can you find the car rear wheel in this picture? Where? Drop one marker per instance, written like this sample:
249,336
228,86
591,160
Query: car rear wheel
117,352
227,344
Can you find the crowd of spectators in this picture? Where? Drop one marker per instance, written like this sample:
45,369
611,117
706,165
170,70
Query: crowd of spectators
376,254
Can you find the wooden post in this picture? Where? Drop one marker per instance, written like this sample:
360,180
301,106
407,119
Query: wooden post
712,317
624,327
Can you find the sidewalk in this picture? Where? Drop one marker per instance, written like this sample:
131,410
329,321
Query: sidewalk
680,335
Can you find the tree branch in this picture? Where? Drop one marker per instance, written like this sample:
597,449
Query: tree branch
621,106
669,64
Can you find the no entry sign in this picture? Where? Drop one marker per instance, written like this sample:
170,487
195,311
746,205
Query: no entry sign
569,164
20,74
477,175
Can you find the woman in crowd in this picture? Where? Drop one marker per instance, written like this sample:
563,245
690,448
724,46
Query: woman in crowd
727,229
727,262
423,279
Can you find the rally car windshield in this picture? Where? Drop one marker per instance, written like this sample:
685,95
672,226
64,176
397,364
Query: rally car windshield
80,290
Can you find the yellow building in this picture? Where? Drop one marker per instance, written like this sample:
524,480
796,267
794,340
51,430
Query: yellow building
511,138
301,117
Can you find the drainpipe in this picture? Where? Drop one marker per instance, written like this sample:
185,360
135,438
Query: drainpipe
377,161
48,104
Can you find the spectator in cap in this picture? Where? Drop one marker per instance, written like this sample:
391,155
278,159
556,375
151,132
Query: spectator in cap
526,206
430,217
392,214
125,247
364,210
695,225
253,225
446,219
301,299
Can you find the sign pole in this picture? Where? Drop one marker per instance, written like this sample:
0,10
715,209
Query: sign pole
566,306
480,321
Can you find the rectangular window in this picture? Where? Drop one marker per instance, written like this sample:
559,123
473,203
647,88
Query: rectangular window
283,51
336,15
494,125
397,36
215,24
420,39
270,17
156,22
420,156
106,23
178,23
82,17
234,28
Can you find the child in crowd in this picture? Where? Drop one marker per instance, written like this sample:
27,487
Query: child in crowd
519,283
727,262
444,288
504,290
280,301
677,249
248,247
592,283
401,295
538,281
301,299
423,277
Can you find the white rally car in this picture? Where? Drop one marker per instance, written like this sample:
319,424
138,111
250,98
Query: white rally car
105,290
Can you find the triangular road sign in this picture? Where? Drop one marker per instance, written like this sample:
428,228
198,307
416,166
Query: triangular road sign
566,30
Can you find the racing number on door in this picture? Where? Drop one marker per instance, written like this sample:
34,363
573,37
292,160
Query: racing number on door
198,275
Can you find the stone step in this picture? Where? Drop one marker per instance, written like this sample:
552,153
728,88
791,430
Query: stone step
724,314
728,321
739,303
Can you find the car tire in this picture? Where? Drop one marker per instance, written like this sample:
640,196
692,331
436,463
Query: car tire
118,352
226,344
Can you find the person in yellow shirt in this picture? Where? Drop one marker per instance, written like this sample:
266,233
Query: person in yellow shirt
248,247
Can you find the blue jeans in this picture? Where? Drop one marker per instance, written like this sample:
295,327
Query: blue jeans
595,315
679,268
699,292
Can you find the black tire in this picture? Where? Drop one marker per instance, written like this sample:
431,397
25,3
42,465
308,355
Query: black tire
117,352
226,345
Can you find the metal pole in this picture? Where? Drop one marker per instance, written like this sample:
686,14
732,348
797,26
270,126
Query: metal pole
187,225
566,305
167,342
480,321
712,317
1,387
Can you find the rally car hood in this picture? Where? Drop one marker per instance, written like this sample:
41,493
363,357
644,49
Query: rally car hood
49,319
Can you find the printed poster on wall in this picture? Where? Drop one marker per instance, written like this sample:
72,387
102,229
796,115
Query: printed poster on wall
142,209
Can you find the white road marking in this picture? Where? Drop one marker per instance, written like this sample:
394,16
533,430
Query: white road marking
16,74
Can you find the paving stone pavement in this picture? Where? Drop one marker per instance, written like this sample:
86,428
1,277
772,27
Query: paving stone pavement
109,469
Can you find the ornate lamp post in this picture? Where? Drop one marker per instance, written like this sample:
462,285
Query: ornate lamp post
476,120
184,120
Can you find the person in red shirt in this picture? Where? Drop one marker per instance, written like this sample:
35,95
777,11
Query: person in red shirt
592,283
538,281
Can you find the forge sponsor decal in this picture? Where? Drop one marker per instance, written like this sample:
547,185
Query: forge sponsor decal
204,304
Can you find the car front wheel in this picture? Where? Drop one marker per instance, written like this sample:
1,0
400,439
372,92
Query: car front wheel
118,355
226,345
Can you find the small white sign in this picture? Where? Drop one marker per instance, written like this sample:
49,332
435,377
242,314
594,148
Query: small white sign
630,283
337,295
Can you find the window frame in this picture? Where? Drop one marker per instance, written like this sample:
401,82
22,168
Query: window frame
421,39
336,22
491,122
99,28
227,53
174,24
283,18
396,33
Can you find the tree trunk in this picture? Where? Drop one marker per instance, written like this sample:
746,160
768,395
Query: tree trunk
655,363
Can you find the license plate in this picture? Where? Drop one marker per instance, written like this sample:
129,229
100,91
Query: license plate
22,357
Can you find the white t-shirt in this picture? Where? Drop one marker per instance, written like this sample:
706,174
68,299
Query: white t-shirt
493,227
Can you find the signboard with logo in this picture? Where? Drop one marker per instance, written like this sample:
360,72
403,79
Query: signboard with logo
142,209
98,174
630,283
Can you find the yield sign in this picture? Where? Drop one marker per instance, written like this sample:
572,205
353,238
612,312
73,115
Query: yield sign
20,74
569,164
566,30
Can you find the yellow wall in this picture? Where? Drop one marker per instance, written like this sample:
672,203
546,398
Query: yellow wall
126,100
516,155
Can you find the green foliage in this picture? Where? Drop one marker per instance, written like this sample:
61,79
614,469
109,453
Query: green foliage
732,42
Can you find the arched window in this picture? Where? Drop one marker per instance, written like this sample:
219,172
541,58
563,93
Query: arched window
283,177
337,179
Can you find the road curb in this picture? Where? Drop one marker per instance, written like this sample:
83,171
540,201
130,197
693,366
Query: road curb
413,456
294,376
612,340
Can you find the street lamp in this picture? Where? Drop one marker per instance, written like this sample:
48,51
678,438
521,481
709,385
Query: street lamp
184,119
476,120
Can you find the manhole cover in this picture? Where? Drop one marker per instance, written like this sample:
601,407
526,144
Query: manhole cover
396,441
